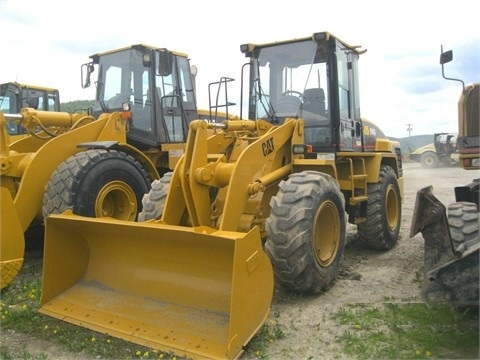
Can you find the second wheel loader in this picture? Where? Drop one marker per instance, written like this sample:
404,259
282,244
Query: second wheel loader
98,162
14,96
250,203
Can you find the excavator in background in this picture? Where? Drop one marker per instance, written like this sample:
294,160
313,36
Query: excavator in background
250,203
14,96
452,236
101,161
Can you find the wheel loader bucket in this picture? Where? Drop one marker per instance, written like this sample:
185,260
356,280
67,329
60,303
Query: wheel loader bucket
12,246
198,292
451,272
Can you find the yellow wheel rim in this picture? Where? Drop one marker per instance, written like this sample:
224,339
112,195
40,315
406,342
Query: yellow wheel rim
391,204
117,200
326,233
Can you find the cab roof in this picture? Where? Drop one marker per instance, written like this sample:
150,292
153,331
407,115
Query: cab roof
141,47
320,36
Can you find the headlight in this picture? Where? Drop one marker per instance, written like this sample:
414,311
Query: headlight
126,106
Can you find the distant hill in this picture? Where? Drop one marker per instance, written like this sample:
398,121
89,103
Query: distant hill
411,143
74,106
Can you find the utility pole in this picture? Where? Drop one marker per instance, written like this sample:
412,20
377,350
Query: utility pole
409,129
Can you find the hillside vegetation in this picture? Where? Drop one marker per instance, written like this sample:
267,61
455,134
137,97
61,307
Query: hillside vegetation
411,143
76,106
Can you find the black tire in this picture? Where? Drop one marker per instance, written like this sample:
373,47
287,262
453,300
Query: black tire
306,232
154,201
463,221
384,212
97,183
429,160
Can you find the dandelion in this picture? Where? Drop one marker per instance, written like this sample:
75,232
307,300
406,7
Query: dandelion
428,353
138,353
257,353
109,341
93,339
160,356
417,352
357,326
145,354
45,327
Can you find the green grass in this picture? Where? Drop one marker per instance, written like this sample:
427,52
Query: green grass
19,304
409,331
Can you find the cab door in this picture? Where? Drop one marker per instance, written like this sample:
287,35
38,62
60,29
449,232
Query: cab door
350,128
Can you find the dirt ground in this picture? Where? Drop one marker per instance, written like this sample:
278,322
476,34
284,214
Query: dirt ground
366,277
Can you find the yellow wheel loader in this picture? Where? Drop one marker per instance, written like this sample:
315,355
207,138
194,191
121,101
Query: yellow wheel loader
15,96
451,234
98,162
250,202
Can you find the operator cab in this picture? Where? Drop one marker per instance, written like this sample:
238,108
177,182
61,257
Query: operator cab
312,78
157,83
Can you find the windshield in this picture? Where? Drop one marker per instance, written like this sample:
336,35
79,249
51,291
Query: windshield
8,104
291,80
122,77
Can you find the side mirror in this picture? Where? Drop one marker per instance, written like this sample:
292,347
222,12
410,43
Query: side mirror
446,57
86,71
165,62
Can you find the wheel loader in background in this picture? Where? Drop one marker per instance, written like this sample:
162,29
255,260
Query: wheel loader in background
250,201
15,96
452,237
98,162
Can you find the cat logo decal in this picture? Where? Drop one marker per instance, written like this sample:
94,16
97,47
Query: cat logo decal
268,147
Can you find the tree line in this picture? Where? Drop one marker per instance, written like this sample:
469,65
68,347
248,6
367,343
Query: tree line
76,106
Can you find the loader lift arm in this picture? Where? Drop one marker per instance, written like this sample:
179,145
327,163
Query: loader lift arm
237,156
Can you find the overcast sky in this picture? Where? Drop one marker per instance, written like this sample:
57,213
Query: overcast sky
45,42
